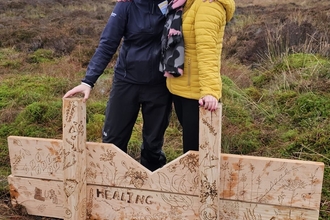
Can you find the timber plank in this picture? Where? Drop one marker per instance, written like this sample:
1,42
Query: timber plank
74,158
245,178
36,157
106,165
45,198
39,197
238,210
284,182
209,162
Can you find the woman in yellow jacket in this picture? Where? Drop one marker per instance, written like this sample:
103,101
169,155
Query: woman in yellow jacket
203,25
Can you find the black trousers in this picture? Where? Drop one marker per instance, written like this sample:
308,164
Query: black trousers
124,104
187,111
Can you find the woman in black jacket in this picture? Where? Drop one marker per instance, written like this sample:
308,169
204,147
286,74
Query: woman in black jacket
137,83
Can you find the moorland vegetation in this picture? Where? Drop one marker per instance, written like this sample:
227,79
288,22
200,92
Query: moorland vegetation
275,72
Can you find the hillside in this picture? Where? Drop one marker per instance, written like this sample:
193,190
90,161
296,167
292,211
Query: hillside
275,69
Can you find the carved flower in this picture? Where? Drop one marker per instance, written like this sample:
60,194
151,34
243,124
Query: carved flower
108,156
137,177
208,190
190,161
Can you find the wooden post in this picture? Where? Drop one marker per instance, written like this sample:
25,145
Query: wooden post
74,160
209,162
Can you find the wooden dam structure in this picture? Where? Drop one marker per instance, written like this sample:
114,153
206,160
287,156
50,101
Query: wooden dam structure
71,178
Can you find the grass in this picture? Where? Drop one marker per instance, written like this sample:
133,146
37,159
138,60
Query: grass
275,74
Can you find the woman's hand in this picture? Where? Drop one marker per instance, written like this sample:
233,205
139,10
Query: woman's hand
209,102
82,88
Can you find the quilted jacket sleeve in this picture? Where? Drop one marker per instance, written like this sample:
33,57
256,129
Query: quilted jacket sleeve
210,23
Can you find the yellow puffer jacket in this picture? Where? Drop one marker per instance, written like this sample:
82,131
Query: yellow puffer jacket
203,31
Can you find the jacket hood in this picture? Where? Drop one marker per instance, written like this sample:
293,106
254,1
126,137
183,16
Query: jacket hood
229,6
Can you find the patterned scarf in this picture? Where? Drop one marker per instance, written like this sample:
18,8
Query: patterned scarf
172,47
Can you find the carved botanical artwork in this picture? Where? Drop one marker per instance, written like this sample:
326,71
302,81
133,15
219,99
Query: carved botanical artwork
40,158
74,159
270,181
75,179
293,184
209,164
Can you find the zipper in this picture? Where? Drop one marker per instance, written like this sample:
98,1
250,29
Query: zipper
189,68
150,14
153,6
125,60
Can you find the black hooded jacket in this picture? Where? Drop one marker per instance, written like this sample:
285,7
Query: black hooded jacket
139,25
